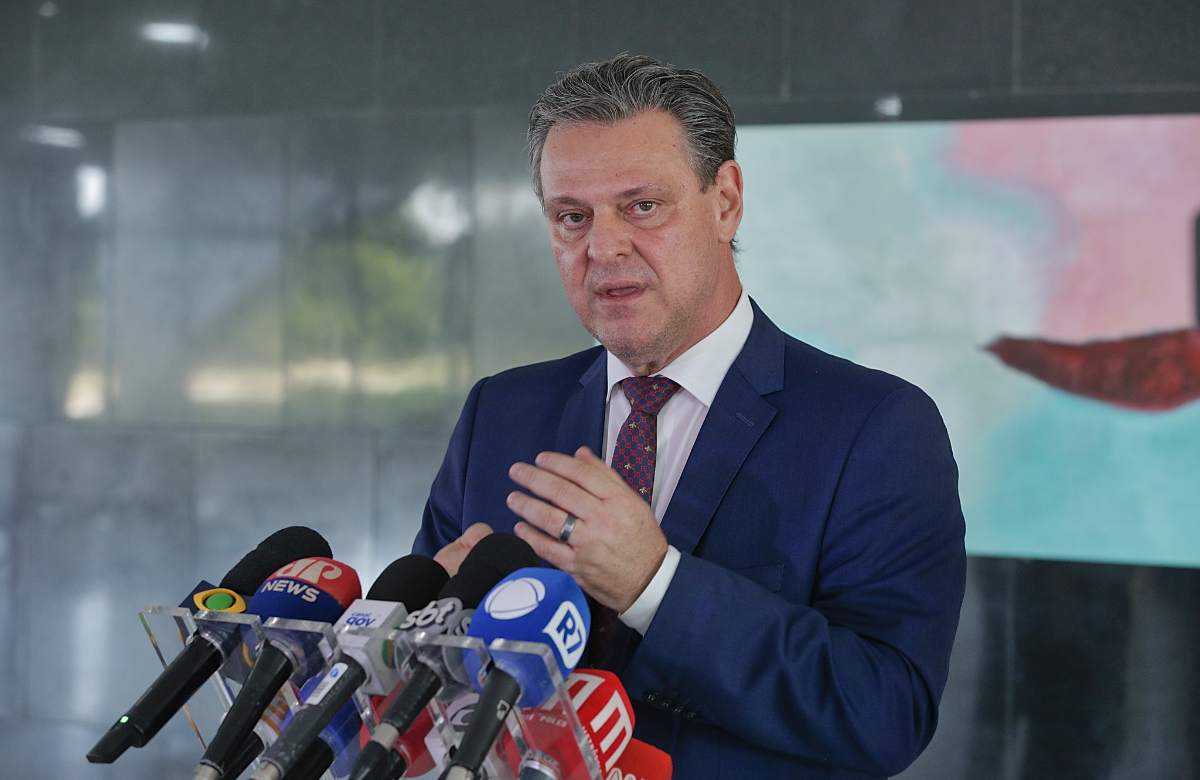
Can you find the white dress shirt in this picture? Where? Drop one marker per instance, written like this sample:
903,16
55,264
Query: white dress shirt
699,371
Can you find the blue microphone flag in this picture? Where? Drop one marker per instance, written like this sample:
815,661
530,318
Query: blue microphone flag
536,605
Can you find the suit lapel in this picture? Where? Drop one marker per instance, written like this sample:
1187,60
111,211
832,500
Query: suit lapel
735,422
582,421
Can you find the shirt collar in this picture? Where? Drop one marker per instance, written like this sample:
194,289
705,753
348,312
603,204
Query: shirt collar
702,368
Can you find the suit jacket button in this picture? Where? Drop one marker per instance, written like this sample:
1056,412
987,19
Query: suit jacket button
650,697
678,710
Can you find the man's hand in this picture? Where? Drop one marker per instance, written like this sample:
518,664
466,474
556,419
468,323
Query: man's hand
616,547
451,556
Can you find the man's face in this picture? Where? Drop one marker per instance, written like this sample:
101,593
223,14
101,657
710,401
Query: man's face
642,251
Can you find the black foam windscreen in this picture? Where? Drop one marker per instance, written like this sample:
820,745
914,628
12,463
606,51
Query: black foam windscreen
413,580
276,551
493,558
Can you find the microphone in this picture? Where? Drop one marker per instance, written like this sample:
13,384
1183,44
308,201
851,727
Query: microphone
321,753
411,755
411,752
641,761
317,589
266,731
412,579
205,650
530,605
600,701
361,663
493,558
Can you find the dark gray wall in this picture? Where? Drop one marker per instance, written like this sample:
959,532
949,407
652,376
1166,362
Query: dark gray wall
778,60
203,360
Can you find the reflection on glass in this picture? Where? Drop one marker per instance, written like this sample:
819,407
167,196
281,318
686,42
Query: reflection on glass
889,106
63,137
235,385
85,395
237,377
91,190
507,203
175,33
439,212
89,662
368,311
426,372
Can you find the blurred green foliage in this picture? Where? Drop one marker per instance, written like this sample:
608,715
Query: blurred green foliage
365,297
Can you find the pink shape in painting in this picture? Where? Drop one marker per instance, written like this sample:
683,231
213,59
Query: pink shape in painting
1124,192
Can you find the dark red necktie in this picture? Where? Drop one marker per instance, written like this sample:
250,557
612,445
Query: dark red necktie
633,458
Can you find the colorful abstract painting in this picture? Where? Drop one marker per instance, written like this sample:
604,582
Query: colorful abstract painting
1038,278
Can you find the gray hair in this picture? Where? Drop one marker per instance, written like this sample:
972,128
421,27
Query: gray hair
626,86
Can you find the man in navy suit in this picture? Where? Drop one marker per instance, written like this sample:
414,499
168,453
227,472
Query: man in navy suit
772,535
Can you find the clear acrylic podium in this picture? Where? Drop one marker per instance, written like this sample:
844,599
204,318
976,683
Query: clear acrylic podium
546,742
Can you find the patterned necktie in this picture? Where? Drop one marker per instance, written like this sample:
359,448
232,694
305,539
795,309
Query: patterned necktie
633,458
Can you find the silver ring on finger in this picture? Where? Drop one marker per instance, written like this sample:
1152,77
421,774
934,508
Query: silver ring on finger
567,528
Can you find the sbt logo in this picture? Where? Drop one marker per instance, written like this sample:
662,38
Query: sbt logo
434,613
460,712
565,630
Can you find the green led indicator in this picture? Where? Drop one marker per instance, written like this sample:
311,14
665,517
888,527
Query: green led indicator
124,719
219,601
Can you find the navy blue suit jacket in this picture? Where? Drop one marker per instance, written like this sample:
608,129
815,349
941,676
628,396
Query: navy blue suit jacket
807,631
